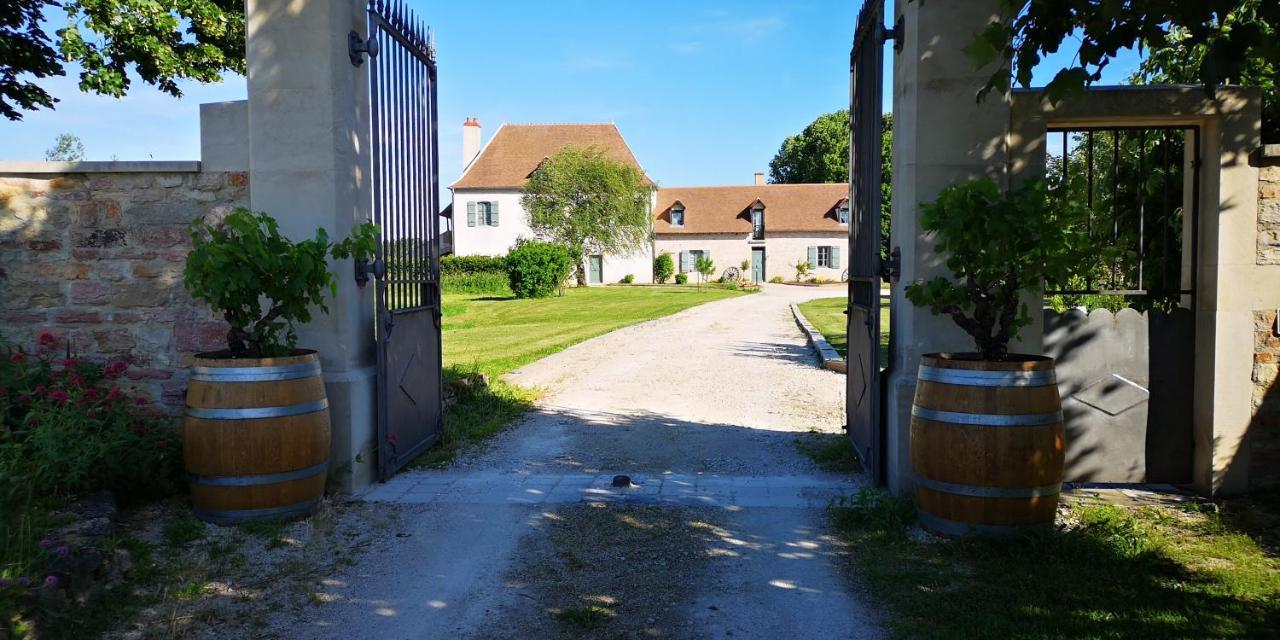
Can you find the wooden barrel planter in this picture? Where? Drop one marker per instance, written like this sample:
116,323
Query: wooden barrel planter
986,445
256,437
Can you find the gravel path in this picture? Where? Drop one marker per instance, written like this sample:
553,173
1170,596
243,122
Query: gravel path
714,396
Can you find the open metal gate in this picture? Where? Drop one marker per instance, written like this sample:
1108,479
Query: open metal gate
866,82
405,180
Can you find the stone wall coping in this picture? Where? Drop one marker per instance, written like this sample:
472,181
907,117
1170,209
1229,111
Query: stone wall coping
34,167
826,353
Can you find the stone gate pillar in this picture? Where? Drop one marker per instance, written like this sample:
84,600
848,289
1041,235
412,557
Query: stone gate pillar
309,167
941,135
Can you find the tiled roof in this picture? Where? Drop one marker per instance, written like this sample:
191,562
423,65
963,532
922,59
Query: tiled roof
788,207
516,150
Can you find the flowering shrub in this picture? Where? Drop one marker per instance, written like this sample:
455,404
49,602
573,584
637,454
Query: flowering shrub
66,427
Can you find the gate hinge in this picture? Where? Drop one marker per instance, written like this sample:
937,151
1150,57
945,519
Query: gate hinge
893,33
891,269
357,46
365,268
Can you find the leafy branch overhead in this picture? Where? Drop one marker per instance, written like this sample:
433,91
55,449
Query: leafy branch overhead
997,246
243,262
1232,35
160,41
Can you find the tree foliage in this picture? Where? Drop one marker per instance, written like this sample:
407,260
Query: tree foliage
998,245
705,268
1132,183
537,269
820,153
588,203
161,41
66,148
663,268
1231,35
237,264
1176,59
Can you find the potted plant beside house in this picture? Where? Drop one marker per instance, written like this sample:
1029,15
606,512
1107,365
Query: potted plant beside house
256,433
986,427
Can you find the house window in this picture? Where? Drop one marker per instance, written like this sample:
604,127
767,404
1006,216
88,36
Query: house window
843,215
757,224
490,213
689,260
824,257
677,217
484,214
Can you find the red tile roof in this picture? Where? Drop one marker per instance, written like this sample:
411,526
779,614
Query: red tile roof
788,207
517,149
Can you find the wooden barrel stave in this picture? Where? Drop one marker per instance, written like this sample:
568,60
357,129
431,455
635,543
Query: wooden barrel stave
987,458
256,438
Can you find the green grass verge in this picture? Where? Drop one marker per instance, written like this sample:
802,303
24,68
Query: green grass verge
1150,572
486,336
827,316
830,452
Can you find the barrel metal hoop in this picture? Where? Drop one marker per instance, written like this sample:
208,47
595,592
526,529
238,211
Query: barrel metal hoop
252,413
988,419
260,479
988,492
971,378
255,374
238,516
966,529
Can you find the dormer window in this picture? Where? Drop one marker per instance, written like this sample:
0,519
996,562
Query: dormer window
842,214
757,222
677,216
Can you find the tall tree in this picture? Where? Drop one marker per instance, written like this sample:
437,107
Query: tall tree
588,203
161,41
66,148
820,153
1231,35
1178,56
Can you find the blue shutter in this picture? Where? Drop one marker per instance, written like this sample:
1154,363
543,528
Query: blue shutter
813,257
471,214
493,213
835,257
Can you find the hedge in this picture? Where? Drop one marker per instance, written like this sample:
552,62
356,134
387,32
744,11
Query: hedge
459,265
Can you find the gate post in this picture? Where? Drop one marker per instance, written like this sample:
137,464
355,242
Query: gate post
941,135
309,167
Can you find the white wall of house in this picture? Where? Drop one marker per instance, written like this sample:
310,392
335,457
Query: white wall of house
512,223
483,239
782,250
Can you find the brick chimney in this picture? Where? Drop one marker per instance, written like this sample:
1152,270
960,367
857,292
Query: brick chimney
470,141
759,178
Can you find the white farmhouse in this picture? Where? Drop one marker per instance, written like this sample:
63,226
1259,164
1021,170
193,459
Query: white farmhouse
769,227
487,215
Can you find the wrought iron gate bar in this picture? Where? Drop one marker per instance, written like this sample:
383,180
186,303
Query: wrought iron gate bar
405,185
1130,203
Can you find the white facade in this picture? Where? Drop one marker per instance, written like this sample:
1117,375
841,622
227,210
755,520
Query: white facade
782,250
494,235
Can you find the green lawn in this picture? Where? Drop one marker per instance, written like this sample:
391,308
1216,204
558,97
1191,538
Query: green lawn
499,334
1195,571
487,335
827,315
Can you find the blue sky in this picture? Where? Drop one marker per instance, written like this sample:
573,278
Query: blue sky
704,91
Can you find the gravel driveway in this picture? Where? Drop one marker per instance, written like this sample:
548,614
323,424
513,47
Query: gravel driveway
704,408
